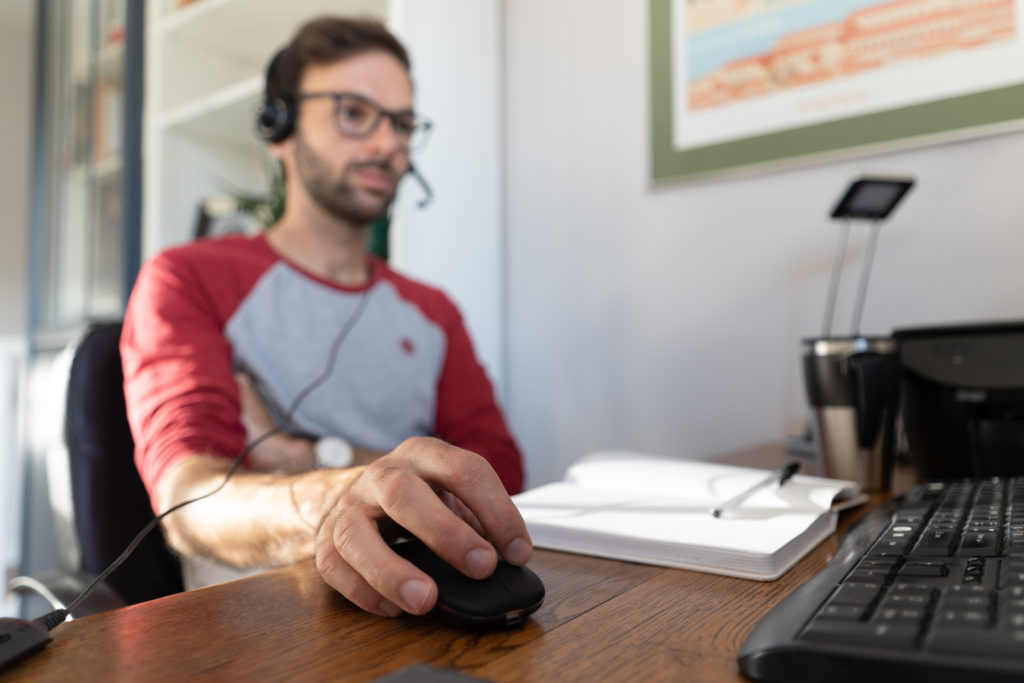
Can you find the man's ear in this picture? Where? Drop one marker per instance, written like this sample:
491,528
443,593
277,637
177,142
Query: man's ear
281,150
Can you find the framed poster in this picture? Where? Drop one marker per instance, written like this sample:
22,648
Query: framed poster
752,83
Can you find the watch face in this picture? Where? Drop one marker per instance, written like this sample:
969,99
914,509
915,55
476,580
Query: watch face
333,452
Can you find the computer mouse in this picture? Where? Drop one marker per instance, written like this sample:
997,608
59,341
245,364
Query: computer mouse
501,600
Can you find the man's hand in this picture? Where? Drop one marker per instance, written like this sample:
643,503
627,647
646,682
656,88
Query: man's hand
449,498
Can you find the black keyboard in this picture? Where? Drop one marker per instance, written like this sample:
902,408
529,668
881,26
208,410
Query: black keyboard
927,588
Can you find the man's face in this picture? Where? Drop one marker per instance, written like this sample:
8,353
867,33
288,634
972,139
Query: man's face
352,178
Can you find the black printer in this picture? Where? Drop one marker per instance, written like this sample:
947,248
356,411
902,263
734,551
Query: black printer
962,399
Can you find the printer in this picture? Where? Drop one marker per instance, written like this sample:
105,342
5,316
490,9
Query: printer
962,399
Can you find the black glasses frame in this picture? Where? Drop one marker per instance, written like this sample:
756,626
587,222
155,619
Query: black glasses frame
414,139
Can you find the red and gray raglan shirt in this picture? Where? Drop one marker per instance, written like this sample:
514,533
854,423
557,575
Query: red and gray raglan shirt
200,312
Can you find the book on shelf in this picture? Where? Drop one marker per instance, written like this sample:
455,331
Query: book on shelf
110,16
108,119
174,5
657,510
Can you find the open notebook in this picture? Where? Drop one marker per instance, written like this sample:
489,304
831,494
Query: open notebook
656,510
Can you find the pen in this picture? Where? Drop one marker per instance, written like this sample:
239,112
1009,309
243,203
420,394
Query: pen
778,477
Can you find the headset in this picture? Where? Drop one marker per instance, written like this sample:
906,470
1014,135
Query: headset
275,120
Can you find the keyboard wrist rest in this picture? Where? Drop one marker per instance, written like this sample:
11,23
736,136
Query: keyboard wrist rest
781,625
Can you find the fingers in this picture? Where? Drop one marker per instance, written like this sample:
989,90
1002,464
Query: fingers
353,557
355,561
411,502
472,511
475,483
464,513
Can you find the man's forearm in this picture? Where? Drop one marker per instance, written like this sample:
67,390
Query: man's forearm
449,498
256,520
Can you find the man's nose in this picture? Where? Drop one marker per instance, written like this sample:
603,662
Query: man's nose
385,139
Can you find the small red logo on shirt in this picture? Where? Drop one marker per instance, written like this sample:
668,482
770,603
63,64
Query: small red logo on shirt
408,346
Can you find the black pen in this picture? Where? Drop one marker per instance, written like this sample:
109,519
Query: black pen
777,477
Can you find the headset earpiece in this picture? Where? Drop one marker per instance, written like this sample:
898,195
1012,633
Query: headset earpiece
275,120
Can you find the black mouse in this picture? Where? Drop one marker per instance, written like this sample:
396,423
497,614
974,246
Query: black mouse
503,599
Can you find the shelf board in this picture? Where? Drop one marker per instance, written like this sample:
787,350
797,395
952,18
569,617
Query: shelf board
224,117
108,167
215,25
95,170
110,62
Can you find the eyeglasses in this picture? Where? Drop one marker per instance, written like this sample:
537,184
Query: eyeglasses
357,116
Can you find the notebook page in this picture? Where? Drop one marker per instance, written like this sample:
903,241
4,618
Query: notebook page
702,484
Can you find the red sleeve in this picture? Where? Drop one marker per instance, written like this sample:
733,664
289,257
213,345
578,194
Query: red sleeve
467,413
179,386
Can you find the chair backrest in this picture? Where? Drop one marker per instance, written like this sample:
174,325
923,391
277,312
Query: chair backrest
111,505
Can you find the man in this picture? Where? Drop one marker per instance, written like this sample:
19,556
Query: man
338,342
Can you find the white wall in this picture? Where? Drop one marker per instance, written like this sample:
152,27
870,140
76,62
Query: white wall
17,44
457,241
669,318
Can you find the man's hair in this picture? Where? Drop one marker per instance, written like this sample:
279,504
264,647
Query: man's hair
323,41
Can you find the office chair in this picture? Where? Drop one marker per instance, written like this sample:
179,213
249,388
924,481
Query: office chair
109,503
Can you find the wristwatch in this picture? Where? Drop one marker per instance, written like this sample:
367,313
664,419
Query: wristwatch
333,451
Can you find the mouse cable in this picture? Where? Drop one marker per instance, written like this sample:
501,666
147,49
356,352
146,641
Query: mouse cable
53,619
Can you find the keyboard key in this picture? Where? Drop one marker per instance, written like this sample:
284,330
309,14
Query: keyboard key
935,543
904,599
964,592
855,593
891,614
887,562
976,642
912,514
911,588
1011,606
900,531
1012,574
965,601
979,544
1012,579
888,635
905,594
1011,622
831,611
898,546
963,618
1015,540
896,600
870,575
924,569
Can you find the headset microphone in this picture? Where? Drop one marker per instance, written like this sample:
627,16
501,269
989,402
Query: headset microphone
428,194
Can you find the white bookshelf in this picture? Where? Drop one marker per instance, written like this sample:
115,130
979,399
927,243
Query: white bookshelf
205,66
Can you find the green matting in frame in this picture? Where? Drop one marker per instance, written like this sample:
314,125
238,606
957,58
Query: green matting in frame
905,126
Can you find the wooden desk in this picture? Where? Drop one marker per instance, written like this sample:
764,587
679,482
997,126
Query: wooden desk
602,620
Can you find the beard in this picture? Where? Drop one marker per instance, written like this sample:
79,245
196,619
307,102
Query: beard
337,196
